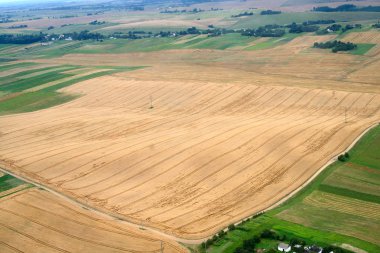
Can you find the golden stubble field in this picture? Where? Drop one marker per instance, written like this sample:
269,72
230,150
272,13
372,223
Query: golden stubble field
34,220
222,141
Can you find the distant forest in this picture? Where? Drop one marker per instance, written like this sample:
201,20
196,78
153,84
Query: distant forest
347,7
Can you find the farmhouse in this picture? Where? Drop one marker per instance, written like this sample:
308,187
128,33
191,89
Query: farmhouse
313,249
283,247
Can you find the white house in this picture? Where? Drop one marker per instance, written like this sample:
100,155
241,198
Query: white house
283,247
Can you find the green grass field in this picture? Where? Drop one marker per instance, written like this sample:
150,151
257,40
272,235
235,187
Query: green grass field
347,191
273,42
362,49
8,182
15,99
228,41
299,17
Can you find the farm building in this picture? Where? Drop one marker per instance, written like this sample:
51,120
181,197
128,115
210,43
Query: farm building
313,249
283,247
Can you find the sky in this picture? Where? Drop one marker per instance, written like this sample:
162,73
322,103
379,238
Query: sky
28,1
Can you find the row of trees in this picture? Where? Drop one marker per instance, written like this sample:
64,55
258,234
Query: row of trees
319,22
300,28
195,10
347,7
246,13
96,22
337,27
17,26
265,31
20,38
336,45
84,35
6,20
270,12
297,244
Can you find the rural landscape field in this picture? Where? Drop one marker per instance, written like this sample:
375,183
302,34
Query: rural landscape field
189,126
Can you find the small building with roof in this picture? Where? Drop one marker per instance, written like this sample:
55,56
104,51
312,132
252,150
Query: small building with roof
283,247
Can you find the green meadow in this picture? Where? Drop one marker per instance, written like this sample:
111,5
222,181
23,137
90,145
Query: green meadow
8,182
362,49
45,84
299,17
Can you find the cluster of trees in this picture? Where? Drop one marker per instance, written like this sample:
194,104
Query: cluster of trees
95,13
334,27
344,157
336,45
377,25
347,7
132,35
334,249
300,28
195,10
331,28
349,27
246,13
212,240
218,32
222,233
17,26
5,20
96,22
265,31
250,244
319,22
270,12
84,35
20,38
67,16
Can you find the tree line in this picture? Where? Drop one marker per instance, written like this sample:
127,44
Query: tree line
347,7
265,31
20,38
270,12
246,13
336,45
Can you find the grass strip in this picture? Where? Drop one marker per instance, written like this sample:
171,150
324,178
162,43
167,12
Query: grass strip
8,182
16,65
33,101
349,193
362,49
23,84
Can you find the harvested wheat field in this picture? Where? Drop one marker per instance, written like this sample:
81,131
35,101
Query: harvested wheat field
37,221
202,156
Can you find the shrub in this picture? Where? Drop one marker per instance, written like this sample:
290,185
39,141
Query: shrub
231,227
269,234
342,158
209,242
221,234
